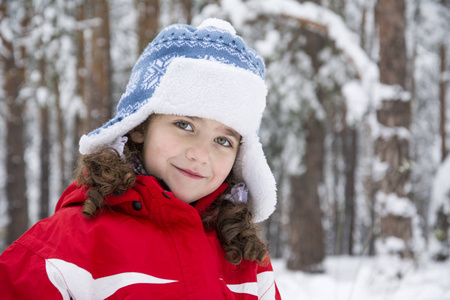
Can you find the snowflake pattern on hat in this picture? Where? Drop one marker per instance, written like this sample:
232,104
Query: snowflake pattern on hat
215,58
155,71
132,84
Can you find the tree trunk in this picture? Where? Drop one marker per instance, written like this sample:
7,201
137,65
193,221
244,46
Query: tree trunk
99,104
187,9
306,236
61,134
15,166
14,78
80,126
44,186
391,22
441,233
442,226
147,22
442,97
395,113
45,164
350,152
338,210
362,29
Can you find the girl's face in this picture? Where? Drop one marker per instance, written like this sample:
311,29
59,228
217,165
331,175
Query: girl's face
193,155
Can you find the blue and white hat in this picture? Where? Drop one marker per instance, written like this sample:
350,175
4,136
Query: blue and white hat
205,72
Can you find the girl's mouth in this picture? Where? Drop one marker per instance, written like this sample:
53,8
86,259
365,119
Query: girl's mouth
189,173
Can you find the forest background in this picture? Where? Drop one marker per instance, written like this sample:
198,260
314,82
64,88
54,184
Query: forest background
355,128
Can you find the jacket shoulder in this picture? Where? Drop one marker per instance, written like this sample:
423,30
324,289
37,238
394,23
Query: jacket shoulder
15,283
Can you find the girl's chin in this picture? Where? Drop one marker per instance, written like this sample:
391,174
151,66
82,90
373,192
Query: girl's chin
185,198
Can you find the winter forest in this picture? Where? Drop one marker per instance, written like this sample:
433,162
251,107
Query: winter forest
355,129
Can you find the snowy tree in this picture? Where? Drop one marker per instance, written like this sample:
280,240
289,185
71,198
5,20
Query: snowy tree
15,20
394,118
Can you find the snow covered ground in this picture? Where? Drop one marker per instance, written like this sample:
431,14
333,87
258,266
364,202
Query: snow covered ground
363,278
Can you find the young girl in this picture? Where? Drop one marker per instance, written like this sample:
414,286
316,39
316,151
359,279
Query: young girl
160,208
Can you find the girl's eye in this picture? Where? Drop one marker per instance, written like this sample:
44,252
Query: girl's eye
223,141
184,125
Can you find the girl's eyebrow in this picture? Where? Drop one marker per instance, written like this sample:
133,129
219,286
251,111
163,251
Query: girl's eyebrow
196,119
232,133
193,118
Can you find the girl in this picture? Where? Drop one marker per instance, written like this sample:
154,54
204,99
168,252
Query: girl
160,208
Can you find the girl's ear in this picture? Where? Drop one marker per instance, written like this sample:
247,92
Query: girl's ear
137,137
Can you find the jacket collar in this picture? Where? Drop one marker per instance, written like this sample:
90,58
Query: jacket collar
136,200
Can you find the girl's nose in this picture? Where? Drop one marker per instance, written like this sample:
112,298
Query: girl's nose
198,152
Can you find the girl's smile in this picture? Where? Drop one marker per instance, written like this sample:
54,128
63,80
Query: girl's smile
193,155
190,173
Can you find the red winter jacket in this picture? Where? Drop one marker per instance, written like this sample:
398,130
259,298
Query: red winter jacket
144,245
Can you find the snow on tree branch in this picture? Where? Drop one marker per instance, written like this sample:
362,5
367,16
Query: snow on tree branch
360,94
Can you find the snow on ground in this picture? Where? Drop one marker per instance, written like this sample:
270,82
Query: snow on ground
363,278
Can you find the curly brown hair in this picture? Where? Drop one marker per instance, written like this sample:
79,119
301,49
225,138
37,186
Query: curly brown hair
238,234
106,173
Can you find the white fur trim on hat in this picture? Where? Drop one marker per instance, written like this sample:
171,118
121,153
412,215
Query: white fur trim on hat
92,143
252,165
209,89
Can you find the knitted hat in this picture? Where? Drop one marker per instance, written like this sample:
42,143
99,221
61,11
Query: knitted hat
205,72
